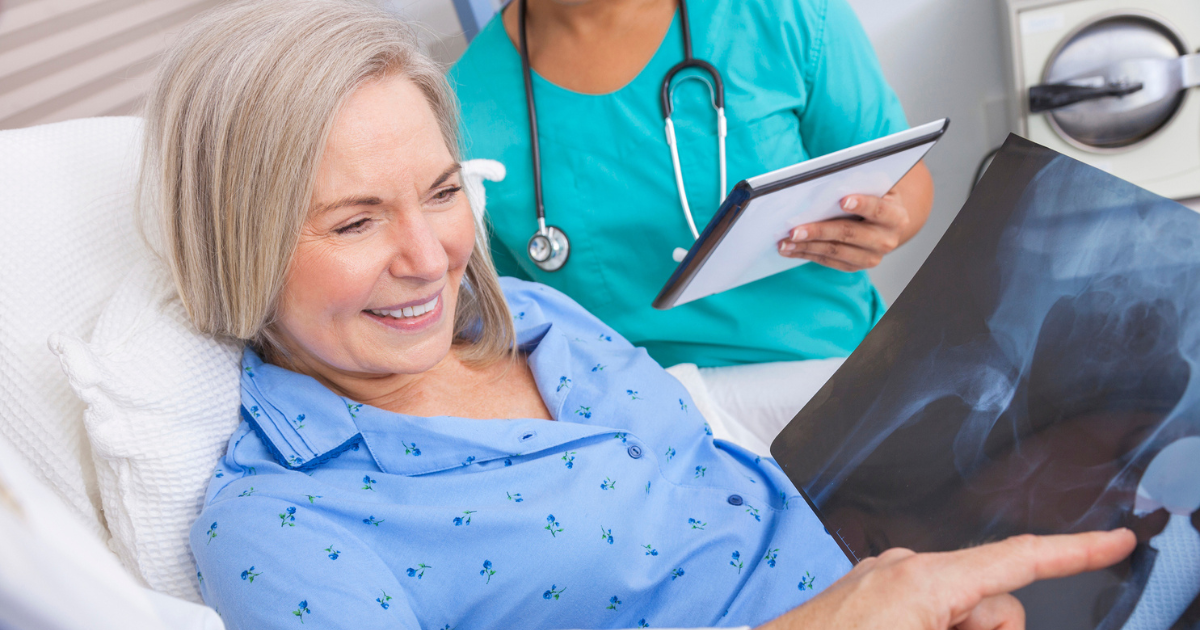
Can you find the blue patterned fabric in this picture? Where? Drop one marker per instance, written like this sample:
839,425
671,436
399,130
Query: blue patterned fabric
624,512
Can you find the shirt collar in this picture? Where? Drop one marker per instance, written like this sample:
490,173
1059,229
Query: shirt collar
302,421
305,424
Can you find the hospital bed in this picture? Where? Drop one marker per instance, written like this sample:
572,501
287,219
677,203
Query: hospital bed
113,411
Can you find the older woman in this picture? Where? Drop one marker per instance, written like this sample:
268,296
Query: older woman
425,445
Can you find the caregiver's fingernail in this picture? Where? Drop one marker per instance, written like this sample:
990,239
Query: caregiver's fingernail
786,248
799,234
849,203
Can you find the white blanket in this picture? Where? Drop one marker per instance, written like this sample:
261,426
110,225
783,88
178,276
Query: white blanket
57,575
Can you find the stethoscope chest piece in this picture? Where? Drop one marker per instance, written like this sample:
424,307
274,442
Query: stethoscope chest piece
549,250
548,247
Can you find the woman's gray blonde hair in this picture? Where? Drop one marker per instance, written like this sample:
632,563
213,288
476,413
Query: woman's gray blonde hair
236,123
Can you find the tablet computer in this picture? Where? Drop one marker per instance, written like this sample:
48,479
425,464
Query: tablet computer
739,244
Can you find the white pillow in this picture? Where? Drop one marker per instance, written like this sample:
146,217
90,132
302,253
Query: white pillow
162,402
66,193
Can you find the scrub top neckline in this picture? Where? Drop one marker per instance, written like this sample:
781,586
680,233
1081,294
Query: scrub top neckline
672,31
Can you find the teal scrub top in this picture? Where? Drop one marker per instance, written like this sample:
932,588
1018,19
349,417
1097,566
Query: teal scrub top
801,80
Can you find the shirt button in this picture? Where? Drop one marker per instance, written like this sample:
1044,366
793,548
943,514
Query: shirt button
735,499
634,451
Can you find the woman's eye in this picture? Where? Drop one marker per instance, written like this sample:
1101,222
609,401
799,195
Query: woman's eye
353,228
446,194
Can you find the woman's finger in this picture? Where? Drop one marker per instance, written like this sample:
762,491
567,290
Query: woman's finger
832,263
849,257
879,210
1022,560
862,234
999,612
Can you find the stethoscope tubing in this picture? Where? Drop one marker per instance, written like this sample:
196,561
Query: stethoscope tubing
531,108
550,243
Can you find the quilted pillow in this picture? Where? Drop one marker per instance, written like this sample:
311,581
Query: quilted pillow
162,401
66,194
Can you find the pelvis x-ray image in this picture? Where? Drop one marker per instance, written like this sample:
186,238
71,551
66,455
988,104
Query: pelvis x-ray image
1039,375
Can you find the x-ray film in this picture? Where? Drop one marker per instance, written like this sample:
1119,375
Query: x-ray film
1040,374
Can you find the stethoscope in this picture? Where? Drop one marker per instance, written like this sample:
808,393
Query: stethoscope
549,247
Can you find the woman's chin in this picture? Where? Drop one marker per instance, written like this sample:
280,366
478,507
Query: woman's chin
407,346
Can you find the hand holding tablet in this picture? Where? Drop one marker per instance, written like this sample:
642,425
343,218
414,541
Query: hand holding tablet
875,228
740,243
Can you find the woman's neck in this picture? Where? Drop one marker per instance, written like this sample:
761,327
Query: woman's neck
452,387
377,390
594,47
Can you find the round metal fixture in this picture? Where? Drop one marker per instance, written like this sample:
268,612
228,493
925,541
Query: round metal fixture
1120,75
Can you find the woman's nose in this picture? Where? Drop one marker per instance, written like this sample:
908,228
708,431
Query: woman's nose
418,250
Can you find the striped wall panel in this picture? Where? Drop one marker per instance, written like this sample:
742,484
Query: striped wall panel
62,59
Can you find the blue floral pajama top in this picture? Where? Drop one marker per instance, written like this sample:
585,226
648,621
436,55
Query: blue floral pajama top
624,512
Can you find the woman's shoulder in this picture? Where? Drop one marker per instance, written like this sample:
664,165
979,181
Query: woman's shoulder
534,302
248,461
806,24
534,305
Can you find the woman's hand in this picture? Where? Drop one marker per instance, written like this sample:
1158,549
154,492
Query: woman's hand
882,224
967,589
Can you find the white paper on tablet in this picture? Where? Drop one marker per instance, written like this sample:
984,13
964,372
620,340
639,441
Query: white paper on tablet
740,246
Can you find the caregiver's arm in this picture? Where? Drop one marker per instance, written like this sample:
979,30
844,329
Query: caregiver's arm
967,589
881,225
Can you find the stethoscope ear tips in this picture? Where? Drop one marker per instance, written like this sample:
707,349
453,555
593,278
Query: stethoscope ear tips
679,254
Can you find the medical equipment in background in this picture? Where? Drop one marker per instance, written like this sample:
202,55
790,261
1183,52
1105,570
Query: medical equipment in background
1110,83
549,248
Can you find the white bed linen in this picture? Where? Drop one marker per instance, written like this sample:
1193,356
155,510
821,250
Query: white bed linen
750,404
57,575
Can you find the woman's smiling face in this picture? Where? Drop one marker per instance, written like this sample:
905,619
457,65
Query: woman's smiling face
373,285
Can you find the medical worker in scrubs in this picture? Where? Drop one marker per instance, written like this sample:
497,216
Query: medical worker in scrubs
800,80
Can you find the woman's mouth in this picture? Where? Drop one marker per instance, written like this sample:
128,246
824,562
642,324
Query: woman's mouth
409,312
409,318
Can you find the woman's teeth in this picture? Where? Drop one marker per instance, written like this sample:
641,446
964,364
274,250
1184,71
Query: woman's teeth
408,311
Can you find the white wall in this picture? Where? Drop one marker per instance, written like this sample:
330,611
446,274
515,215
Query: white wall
437,26
943,58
